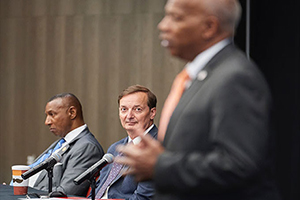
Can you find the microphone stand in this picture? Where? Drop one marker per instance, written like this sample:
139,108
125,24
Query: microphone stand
50,176
92,180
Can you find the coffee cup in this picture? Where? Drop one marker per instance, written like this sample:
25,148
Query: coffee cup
20,185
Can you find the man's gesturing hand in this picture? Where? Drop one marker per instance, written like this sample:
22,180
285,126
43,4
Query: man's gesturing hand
140,158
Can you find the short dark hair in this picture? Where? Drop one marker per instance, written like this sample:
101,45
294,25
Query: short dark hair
72,100
139,88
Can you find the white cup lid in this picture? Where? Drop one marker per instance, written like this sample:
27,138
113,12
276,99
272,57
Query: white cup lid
20,167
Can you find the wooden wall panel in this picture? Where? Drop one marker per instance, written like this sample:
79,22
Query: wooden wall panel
92,48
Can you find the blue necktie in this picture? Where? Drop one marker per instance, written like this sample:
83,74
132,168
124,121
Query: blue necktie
115,170
48,154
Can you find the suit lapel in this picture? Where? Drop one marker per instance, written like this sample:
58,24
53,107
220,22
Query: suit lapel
185,99
50,147
44,173
82,134
111,165
202,77
152,132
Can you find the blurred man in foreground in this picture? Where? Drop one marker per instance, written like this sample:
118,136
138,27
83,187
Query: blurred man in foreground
215,121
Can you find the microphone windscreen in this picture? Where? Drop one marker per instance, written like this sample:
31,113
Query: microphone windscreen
109,158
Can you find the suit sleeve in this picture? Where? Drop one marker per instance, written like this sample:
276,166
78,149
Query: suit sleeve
80,160
238,138
144,191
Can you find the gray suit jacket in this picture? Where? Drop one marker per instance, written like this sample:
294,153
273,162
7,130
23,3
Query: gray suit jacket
218,140
84,151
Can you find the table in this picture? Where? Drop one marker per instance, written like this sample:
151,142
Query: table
7,192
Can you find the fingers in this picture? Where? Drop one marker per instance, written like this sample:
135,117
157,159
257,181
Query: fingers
145,141
131,171
141,158
127,171
128,150
124,160
146,147
151,144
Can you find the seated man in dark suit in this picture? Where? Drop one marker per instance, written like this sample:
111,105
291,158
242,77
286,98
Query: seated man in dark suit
65,120
137,109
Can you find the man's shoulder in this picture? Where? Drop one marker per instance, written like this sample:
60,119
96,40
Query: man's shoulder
112,148
153,132
122,141
86,138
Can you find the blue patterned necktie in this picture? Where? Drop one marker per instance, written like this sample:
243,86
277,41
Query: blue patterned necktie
48,154
115,170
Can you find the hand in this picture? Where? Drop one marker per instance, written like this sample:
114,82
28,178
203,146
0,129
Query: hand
140,158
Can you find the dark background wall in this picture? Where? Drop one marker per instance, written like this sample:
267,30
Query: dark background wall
274,46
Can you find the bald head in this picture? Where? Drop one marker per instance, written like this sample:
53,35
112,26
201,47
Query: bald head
192,26
228,12
63,114
68,100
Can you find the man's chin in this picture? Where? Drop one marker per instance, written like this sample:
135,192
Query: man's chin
130,127
130,124
173,51
54,132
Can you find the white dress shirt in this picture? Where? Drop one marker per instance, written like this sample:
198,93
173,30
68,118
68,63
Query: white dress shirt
194,67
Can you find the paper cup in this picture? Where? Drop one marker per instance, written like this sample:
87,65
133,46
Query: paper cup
20,185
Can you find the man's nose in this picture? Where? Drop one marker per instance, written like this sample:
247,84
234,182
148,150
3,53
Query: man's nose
163,25
130,114
47,121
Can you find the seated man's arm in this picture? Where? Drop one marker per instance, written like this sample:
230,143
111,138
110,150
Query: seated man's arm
78,162
144,191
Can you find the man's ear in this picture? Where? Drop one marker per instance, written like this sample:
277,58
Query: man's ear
211,27
72,112
152,113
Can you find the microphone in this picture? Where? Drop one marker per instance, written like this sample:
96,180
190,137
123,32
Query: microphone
49,162
106,159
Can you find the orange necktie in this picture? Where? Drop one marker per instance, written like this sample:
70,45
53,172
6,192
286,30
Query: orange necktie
171,102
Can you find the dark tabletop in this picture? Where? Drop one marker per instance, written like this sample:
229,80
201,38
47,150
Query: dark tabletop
7,193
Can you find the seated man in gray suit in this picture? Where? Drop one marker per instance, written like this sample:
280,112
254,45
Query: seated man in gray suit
65,120
137,109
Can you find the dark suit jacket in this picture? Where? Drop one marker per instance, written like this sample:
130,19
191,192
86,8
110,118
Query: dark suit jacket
218,140
126,187
84,151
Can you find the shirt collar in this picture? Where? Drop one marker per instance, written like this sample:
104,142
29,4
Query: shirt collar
138,139
194,67
74,133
